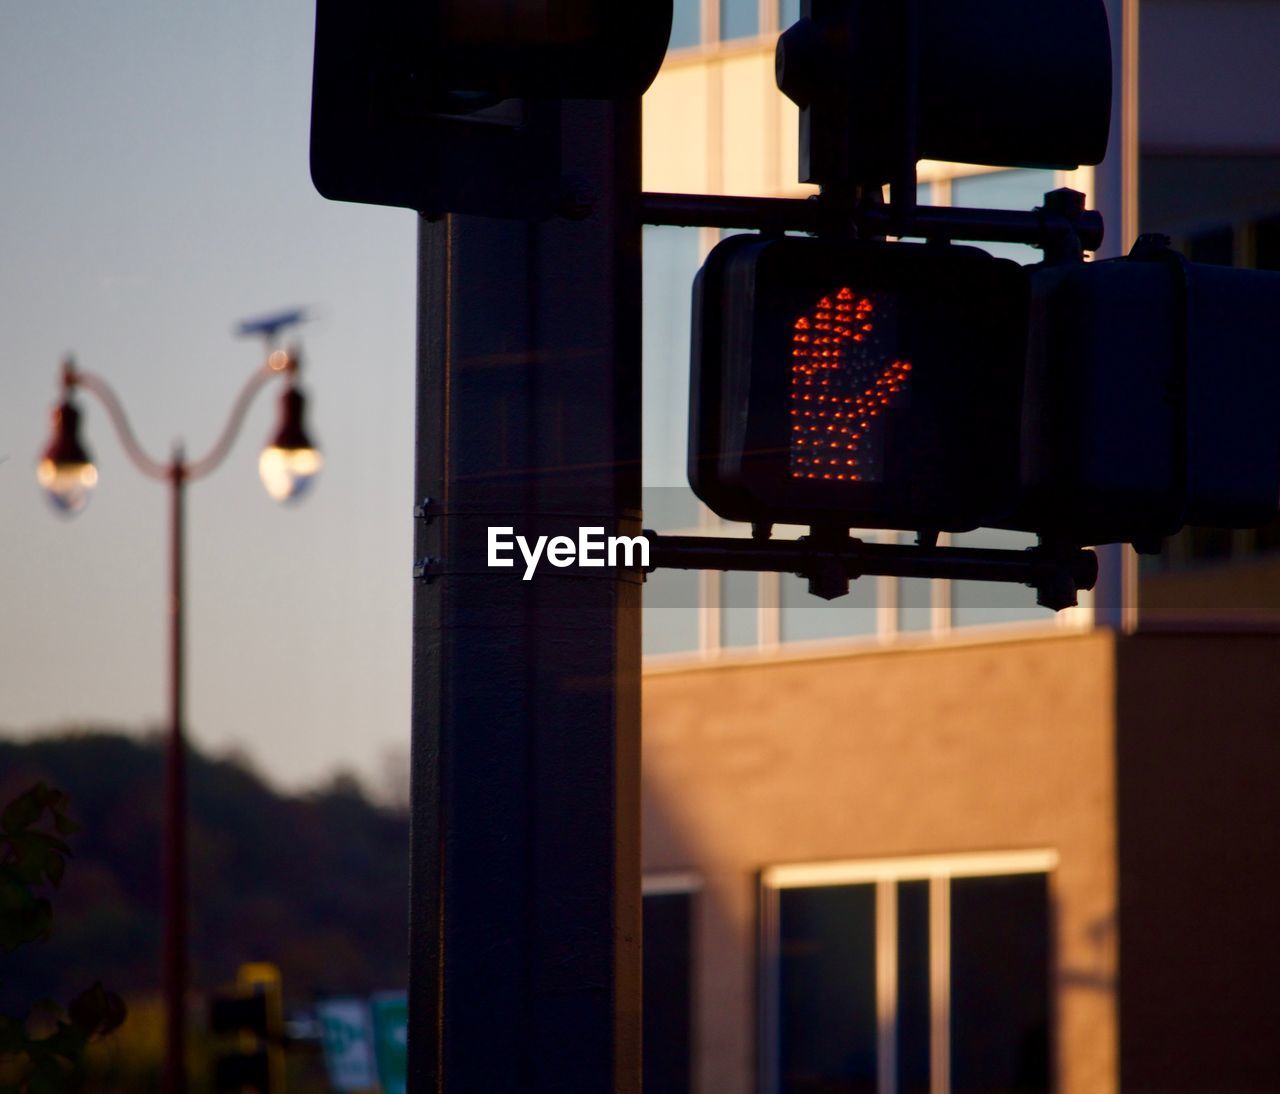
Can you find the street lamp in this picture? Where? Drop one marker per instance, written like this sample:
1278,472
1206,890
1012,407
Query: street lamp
288,465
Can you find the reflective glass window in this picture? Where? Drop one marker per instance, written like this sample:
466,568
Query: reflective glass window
686,27
668,996
806,617
827,989
739,19
1020,189
974,603
1000,983
739,609
671,597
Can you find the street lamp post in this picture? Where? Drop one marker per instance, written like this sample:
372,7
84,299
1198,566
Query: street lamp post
287,466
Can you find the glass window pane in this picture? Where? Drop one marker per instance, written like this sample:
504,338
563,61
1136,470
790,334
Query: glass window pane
686,24
974,603
1000,983
915,598
913,987
739,609
671,260
915,604
788,13
739,19
1021,189
671,607
827,989
671,509
667,1011
806,617
671,257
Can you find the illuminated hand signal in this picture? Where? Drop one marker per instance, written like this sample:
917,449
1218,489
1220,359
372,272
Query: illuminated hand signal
839,386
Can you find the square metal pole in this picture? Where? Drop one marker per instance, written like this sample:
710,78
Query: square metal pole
525,906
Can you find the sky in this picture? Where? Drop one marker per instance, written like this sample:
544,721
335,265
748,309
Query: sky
154,192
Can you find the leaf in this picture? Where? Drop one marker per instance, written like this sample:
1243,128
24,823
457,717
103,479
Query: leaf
96,1011
52,1076
54,868
31,854
23,918
24,810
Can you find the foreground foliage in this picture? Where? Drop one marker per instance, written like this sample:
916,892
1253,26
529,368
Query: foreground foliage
43,1048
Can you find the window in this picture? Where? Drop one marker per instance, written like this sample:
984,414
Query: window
974,603
668,979
671,597
907,975
739,610
739,19
827,988
806,617
788,13
1021,189
686,24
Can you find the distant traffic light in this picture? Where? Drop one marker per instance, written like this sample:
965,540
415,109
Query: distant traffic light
857,384
254,1013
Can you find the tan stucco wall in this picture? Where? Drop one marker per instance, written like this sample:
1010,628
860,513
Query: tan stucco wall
947,748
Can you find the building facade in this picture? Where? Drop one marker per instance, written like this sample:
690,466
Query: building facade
930,837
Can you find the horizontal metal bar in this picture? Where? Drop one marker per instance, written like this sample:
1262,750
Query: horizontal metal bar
1056,575
717,211
1036,227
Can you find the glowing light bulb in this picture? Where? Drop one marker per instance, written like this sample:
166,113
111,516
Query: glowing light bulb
287,473
290,463
65,471
67,484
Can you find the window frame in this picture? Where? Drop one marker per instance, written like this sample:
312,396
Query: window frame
885,874
687,884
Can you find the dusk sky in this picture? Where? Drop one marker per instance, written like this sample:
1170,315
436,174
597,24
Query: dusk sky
155,192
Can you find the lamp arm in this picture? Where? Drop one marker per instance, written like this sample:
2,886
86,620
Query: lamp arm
198,469
101,390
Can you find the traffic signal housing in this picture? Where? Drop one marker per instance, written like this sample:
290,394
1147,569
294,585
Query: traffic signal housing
440,105
857,384
1003,82
1153,398
252,1012
865,384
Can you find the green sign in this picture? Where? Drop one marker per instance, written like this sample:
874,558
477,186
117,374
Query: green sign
390,1011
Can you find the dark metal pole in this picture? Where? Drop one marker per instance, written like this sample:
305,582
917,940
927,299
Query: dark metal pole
1072,568
525,906
1058,216
174,958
